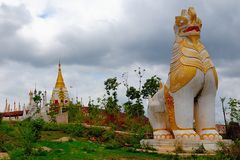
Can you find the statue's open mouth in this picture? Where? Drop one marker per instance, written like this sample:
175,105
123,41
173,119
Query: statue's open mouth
191,28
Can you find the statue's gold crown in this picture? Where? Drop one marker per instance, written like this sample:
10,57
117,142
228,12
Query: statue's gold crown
187,23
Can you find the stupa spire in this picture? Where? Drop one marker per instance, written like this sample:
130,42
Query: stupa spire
60,95
60,81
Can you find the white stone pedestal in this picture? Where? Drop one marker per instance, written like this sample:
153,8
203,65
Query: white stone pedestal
169,145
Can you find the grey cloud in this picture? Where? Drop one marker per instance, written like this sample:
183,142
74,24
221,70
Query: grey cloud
143,34
13,47
12,18
230,69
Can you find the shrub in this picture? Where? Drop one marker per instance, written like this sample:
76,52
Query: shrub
178,147
18,154
95,132
32,126
51,127
74,114
26,136
113,144
200,149
108,135
229,151
3,139
77,130
28,132
73,129
6,128
134,139
1,119
37,126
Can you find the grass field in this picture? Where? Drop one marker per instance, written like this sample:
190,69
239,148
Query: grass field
87,144
83,149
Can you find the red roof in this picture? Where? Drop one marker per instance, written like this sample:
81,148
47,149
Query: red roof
12,114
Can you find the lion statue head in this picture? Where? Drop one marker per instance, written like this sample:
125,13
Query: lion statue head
187,24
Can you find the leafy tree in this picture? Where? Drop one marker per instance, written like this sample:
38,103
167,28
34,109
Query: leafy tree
150,87
93,110
224,112
140,73
29,132
74,114
133,93
111,85
53,111
134,106
134,109
37,97
234,106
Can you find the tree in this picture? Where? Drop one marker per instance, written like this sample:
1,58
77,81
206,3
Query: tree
151,86
111,86
74,114
134,107
93,110
53,111
234,106
132,93
37,97
140,73
224,112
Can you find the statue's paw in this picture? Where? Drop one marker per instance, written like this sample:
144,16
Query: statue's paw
186,134
210,134
162,134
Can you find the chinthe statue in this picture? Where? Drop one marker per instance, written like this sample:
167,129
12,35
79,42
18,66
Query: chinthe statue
184,108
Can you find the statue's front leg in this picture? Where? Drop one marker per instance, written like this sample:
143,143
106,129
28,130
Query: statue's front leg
205,108
180,107
181,121
157,116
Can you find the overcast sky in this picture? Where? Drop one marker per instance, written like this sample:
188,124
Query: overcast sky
98,39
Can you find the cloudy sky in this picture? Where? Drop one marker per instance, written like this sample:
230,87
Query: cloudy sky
98,39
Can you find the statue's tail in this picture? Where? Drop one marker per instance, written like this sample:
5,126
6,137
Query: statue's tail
157,102
156,109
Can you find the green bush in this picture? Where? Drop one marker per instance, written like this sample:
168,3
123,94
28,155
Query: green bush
37,126
73,129
74,114
26,136
113,144
1,119
6,128
108,135
200,149
51,127
18,154
3,139
28,132
32,126
134,139
77,130
95,132
229,151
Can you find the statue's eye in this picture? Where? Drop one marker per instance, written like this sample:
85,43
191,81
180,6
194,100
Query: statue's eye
180,20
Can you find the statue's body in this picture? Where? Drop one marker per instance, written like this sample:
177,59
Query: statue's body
189,93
